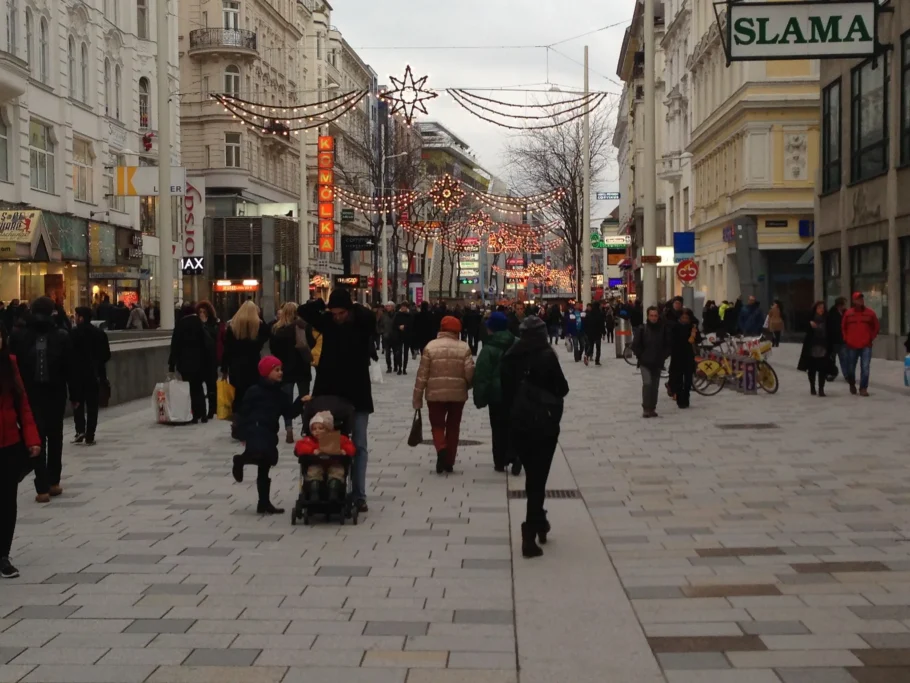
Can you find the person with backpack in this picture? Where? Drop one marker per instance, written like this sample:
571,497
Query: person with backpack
289,344
45,356
488,389
92,349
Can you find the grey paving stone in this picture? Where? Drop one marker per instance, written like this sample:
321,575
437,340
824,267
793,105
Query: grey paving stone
206,552
174,589
800,579
43,612
821,675
85,577
653,592
486,564
68,673
338,570
135,559
396,628
258,537
486,540
773,628
150,502
887,641
688,531
227,657
448,520
7,654
160,626
624,540
146,536
189,506
693,660
881,611
484,616
429,533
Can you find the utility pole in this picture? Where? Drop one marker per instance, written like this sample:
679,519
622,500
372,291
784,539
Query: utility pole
165,240
303,222
649,270
585,270
383,234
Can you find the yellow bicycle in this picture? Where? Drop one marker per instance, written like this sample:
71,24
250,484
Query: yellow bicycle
712,372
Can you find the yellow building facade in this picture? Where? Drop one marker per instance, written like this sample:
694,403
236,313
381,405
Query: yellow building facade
755,149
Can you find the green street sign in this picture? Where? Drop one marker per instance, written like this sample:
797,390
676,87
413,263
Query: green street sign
347,215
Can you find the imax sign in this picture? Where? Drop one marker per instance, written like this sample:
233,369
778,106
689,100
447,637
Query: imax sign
801,30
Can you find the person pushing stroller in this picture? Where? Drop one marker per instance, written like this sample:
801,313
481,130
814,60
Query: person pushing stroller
328,475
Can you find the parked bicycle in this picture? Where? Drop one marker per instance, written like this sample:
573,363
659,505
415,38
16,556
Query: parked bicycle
713,367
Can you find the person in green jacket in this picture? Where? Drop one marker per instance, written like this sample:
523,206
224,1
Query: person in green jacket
488,388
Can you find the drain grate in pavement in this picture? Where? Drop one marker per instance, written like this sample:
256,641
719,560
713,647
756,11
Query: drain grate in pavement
461,442
549,493
750,425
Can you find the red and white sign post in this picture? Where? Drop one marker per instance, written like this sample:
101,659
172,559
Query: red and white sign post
687,272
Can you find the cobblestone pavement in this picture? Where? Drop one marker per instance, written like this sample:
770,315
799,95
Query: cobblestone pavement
749,555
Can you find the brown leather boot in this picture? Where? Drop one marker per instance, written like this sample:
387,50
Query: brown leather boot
55,490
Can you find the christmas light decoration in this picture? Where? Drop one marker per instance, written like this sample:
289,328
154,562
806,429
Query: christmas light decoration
475,104
519,205
446,193
396,203
408,95
284,120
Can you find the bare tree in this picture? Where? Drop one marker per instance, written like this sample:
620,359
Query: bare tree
542,160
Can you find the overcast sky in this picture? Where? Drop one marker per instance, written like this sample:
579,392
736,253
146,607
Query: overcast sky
408,26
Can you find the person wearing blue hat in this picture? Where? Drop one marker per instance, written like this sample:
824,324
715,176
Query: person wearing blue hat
488,388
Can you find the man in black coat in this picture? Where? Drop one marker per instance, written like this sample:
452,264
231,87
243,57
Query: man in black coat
191,352
401,337
471,324
595,327
836,334
651,345
93,351
344,368
46,363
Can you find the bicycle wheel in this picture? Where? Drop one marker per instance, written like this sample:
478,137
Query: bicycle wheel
767,377
628,356
708,379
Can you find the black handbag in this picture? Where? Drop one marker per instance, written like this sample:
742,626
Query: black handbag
416,436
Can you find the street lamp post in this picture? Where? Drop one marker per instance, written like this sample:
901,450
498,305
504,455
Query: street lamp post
649,270
165,242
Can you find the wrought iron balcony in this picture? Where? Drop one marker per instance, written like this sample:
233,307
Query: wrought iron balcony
216,40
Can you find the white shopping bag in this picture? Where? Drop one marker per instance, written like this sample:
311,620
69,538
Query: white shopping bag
375,373
171,402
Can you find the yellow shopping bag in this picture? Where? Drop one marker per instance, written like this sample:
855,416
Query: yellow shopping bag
225,399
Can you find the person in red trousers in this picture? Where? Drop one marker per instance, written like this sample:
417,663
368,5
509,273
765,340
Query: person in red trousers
445,375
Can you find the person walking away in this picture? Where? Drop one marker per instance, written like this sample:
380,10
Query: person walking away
751,321
595,329
554,323
445,375
191,351
488,389
46,363
651,346
838,348
815,357
572,325
683,337
711,320
386,330
423,326
344,369
92,352
138,320
215,330
401,338
289,345
246,335
533,389
18,430
860,327
105,312
471,323
264,404
609,324
775,323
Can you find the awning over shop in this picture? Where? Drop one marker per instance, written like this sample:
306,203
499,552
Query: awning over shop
24,236
808,256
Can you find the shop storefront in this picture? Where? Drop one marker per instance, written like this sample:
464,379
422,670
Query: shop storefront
116,260
869,275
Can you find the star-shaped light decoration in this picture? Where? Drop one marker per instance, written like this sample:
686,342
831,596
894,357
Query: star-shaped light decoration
480,222
446,193
408,95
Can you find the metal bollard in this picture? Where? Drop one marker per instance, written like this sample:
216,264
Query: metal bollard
623,334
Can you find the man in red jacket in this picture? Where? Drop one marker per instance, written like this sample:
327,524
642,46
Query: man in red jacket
860,327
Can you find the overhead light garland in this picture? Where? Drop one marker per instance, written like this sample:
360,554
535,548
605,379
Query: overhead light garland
394,203
408,95
474,104
519,205
446,193
284,120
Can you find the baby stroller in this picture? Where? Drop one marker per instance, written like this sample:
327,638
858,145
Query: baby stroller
345,508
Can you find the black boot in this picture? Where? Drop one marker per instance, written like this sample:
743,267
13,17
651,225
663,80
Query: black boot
314,491
265,507
812,387
529,547
336,490
543,528
442,457
237,470
821,385
516,466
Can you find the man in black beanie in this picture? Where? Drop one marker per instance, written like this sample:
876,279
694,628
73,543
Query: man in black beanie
91,347
344,368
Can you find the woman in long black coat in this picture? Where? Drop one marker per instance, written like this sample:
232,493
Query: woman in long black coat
243,342
286,343
817,357
191,352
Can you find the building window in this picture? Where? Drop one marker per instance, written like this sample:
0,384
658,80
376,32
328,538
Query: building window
869,109
83,170
905,100
84,77
44,47
232,150
142,19
41,156
232,80
231,12
118,87
71,56
29,39
145,105
831,179
869,266
4,150
107,87
148,221
831,276
114,203
12,21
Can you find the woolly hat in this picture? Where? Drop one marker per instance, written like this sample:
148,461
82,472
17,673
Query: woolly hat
531,324
267,364
450,324
498,322
325,418
340,298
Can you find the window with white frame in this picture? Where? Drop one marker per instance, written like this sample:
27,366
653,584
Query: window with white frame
231,12
83,170
107,87
41,156
4,150
232,80
118,94
71,57
29,39
142,19
232,150
145,104
44,51
12,21
113,202
83,76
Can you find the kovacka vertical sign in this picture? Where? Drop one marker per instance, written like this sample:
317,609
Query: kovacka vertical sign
325,188
801,30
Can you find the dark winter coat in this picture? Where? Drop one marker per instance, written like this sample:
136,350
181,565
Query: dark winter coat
471,321
424,327
17,423
92,351
807,361
595,325
192,348
532,354
487,371
39,379
682,352
344,366
835,333
240,360
384,326
402,319
295,362
651,344
712,322
264,405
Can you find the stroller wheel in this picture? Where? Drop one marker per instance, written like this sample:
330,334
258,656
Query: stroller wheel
354,516
293,516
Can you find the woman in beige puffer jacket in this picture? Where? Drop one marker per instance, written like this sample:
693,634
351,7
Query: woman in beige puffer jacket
445,375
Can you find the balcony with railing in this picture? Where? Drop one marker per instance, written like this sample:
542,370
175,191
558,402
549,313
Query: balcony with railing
220,40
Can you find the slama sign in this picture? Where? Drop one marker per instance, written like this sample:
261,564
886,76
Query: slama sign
801,30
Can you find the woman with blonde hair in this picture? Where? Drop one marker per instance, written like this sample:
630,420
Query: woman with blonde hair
289,343
243,342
